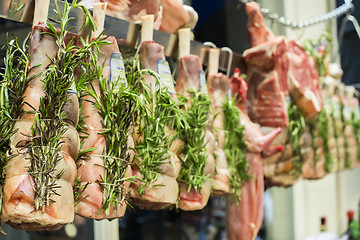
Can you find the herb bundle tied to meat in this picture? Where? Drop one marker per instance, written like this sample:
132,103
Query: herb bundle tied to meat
49,120
235,148
118,106
13,83
197,108
157,117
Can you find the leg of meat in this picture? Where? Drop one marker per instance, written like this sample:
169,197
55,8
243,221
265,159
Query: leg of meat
188,81
174,15
267,83
218,86
244,220
20,199
166,193
92,171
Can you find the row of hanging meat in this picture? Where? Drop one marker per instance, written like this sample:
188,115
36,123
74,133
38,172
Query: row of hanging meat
89,132
318,115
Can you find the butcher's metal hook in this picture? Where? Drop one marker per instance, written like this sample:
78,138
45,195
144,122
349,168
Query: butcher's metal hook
203,53
353,20
209,44
230,59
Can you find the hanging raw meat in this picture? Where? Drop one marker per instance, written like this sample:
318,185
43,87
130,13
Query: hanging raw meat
267,68
156,163
104,197
244,219
130,10
296,71
38,193
174,16
218,85
351,105
282,80
304,83
355,120
198,164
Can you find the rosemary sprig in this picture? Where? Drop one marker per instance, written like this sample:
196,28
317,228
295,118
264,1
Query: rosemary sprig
197,108
235,148
48,125
12,85
118,108
296,129
158,112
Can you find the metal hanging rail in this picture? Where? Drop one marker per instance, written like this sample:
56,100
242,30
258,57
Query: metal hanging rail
345,8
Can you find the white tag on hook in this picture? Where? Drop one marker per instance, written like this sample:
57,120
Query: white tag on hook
166,79
203,85
117,70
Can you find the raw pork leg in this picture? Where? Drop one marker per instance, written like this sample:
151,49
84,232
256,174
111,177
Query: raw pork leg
18,201
189,79
218,86
244,220
166,193
91,170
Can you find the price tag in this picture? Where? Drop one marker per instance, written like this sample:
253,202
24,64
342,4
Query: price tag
166,79
117,70
72,88
203,85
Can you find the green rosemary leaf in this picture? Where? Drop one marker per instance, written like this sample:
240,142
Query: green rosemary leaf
235,148
157,112
49,120
12,85
295,130
196,108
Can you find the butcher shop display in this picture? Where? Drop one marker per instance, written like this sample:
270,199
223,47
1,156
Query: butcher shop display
39,177
90,131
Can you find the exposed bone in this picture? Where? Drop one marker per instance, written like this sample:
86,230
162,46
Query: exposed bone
213,66
41,12
99,18
184,42
147,29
